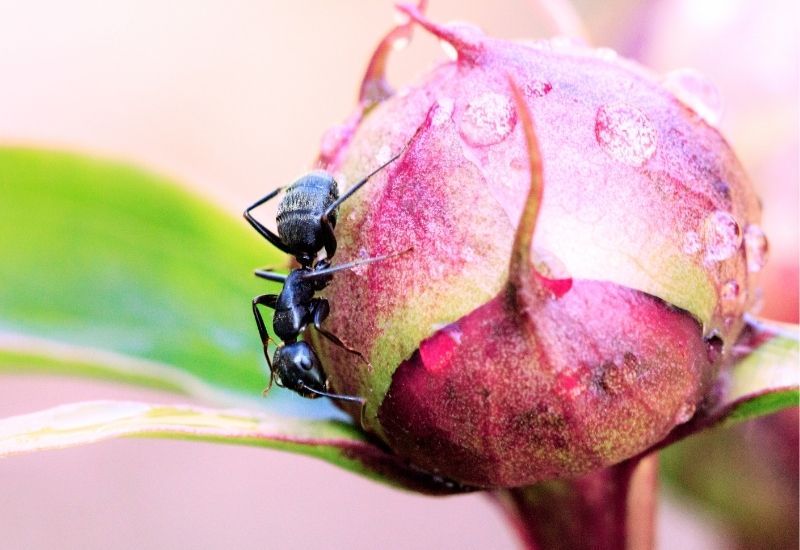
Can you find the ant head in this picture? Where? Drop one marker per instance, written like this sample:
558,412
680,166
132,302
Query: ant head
297,368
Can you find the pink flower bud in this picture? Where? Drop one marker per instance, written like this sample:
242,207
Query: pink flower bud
501,355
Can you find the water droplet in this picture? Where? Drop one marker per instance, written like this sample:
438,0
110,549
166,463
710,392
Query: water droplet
449,50
685,413
487,119
756,246
537,88
566,42
697,92
401,18
468,254
691,242
383,154
729,293
722,236
625,133
361,270
606,54
443,112
400,43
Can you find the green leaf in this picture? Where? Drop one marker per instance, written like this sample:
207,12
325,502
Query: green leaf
766,376
332,441
102,255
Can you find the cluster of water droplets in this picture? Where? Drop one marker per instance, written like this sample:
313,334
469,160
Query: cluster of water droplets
625,133
720,239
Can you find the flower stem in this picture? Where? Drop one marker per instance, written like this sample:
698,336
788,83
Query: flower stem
610,509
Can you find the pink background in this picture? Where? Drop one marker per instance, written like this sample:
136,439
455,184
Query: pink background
231,99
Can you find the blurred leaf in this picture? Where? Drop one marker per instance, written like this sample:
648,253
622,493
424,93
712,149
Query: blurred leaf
332,441
103,255
24,354
746,475
766,376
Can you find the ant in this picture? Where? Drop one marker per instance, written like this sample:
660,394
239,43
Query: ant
306,219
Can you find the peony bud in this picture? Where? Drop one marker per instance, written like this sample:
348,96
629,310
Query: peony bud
501,355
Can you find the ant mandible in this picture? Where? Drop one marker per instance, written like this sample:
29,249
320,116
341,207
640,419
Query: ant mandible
306,220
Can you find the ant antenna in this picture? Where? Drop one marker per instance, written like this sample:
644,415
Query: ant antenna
350,398
351,265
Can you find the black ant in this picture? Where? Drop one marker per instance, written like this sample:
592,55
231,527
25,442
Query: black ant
306,220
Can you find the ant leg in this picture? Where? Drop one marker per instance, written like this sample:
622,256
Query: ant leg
320,308
342,267
267,300
268,274
274,239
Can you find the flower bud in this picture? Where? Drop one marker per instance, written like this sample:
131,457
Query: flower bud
500,355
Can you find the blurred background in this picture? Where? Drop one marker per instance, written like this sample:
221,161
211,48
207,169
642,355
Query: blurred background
231,99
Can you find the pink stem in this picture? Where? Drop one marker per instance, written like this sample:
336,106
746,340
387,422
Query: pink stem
611,509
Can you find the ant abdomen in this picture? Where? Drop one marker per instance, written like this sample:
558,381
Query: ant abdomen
301,209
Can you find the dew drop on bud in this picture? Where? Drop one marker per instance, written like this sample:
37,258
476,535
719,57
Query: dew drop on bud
400,43
487,119
443,111
729,295
361,270
383,155
468,254
722,236
606,54
697,92
756,247
436,270
566,42
692,243
625,133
